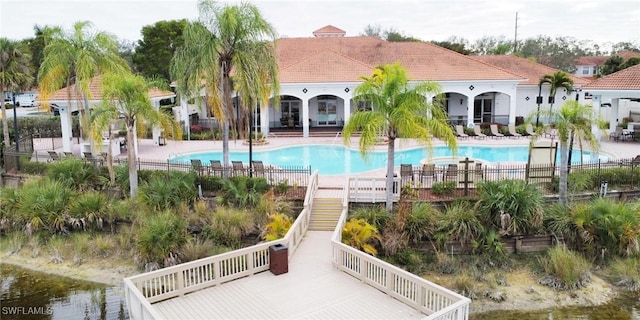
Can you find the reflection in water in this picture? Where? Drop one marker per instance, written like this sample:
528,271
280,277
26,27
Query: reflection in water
27,294
625,307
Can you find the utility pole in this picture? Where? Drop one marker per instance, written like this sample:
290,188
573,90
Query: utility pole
515,37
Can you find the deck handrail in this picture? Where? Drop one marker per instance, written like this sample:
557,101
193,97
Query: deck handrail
429,298
144,289
371,189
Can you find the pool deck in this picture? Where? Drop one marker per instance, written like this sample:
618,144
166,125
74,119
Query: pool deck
147,151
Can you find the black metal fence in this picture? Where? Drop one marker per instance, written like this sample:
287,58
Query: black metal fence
462,178
288,175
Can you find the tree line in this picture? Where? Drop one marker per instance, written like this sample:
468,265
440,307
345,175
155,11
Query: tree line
151,55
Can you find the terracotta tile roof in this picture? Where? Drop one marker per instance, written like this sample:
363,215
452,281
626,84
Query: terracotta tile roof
627,79
526,68
329,31
599,60
95,92
424,61
325,66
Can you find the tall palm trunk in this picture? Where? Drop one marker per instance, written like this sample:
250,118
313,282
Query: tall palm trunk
5,123
131,159
570,152
564,172
390,172
228,110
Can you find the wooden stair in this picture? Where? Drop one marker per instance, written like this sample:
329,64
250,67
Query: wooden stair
326,210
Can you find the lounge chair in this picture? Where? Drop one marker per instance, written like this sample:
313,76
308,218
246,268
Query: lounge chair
452,173
460,132
513,132
258,168
495,132
428,172
619,134
197,167
406,173
88,156
68,154
216,167
53,155
478,132
478,174
529,130
238,167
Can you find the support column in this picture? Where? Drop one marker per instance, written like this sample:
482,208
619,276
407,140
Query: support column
186,120
155,131
347,110
596,101
65,127
305,118
613,115
470,110
512,108
264,121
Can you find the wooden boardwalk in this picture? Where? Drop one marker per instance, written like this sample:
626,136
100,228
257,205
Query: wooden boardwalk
312,289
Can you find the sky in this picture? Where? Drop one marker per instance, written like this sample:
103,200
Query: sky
601,21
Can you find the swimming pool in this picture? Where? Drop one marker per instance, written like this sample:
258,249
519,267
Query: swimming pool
343,160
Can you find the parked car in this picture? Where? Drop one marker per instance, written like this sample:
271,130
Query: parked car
56,110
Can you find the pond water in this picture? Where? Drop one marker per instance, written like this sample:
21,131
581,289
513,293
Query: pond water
29,295
624,307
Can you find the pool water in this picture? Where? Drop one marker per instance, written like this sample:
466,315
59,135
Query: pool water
342,160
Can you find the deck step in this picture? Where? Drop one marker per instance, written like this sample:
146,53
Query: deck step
325,212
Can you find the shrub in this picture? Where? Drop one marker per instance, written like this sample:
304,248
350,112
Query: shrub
422,221
459,223
277,227
565,269
445,188
209,183
160,239
168,190
376,216
412,260
603,223
243,191
89,210
74,172
196,248
522,203
360,235
491,246
43,204
627,273
32,167
465,285
228,225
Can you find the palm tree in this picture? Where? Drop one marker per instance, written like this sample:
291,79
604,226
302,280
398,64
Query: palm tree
560,79
571,120
226,38
126,97
77,57
14,76
398,111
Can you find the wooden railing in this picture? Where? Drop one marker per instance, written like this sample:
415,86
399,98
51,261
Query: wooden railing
144,289
369,189
431,299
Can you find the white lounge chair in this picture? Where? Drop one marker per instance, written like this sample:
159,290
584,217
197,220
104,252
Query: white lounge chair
513,132
495,132
478,132
460,132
